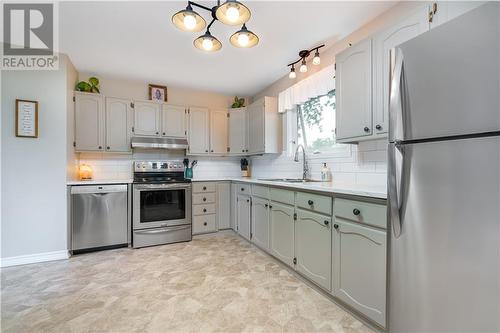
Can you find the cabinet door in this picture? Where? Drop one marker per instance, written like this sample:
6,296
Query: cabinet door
243,216
313,247
282,232
218,132
223,205
198,134
383,42
118,124
360,268
89,122
234,207
256,129
147,118
237,131
260,222
173,121
354,91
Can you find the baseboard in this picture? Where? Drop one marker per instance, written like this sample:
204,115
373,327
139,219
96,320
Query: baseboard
34,258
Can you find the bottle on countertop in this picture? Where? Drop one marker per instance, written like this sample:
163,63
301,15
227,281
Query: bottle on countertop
326,173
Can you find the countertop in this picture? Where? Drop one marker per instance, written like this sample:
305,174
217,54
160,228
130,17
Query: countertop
325,187
100,181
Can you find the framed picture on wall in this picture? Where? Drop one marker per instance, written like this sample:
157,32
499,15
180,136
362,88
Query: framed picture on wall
157,93
26,118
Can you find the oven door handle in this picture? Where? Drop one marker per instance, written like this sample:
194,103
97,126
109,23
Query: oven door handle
162,230
161,186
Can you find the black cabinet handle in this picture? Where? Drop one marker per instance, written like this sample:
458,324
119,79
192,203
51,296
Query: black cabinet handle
212,151
366,129
204,188
248,200
336,226
267,205
243,150
356,211
206,151
157,133
204,210
327,222
100,147
108,147
378,127
242,188
163,133
204,199
204,223
246,150
310,202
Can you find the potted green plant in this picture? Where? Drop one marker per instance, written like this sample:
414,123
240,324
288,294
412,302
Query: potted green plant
92,86
238,102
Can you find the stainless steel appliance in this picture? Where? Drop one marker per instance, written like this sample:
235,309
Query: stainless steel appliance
161,203
157,143
444,178
100,218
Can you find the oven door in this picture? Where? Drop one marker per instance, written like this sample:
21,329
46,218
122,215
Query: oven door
161,205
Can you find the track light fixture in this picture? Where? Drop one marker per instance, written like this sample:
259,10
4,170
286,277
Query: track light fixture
303,66
231,12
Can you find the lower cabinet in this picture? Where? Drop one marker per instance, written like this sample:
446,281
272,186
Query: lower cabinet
204,223
223,205
260,222
243,207
313,247
282,232
360,268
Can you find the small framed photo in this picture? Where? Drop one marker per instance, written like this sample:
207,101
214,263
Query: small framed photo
157,93
26,118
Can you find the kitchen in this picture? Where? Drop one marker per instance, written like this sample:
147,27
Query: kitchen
304,193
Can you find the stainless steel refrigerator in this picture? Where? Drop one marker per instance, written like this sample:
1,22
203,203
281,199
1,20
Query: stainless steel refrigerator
444,178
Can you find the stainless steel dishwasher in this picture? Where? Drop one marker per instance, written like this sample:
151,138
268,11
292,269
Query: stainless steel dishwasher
100,217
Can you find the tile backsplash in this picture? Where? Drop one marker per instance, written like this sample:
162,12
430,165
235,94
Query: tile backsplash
362,164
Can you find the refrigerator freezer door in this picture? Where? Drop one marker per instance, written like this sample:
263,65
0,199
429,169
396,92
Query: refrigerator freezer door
445,265
450,78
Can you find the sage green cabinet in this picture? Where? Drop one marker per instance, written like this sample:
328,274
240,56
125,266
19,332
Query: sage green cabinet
360,268
313,247
243,207
260,222
282,232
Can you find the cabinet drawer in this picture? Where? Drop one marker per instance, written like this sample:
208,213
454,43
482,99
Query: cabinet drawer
315,202
244,188
203,224
362,212
283,196
203,198
204,209
203,187
260,191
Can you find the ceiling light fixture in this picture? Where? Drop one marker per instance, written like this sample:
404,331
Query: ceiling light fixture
303,66
231,13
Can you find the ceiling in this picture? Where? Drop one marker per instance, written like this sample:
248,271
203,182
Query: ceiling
137,40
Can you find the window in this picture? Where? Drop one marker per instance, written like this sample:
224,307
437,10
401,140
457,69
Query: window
316,123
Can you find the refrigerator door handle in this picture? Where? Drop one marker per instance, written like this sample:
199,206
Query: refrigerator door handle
396,128
395,172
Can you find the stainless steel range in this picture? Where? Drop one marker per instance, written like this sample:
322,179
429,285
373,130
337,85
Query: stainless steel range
161,203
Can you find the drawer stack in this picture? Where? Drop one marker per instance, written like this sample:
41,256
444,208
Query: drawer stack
204,207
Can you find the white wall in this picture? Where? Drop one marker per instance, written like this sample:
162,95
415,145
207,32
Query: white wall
34,213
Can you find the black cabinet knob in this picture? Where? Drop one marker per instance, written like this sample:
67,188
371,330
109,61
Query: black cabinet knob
204,210
163,133
108,147
310,202
267,205
206,151
204,223
366,129
270,206
243,150
336,226
378,127
204,199
246,150
100,147
204,188
327,222
212,151
157,133
248,200
242,188
356,211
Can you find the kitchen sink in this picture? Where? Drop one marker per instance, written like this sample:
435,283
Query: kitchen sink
291,180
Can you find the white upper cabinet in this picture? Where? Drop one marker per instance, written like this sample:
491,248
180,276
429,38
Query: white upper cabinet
238,131
89,122
383,42
173,120
118,124
147,118
198,131
443,11
354,91
264,127
218,131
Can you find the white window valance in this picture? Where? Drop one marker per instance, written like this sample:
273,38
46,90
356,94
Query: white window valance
318,84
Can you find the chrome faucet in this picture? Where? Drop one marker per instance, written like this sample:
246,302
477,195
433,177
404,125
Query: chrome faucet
305,167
